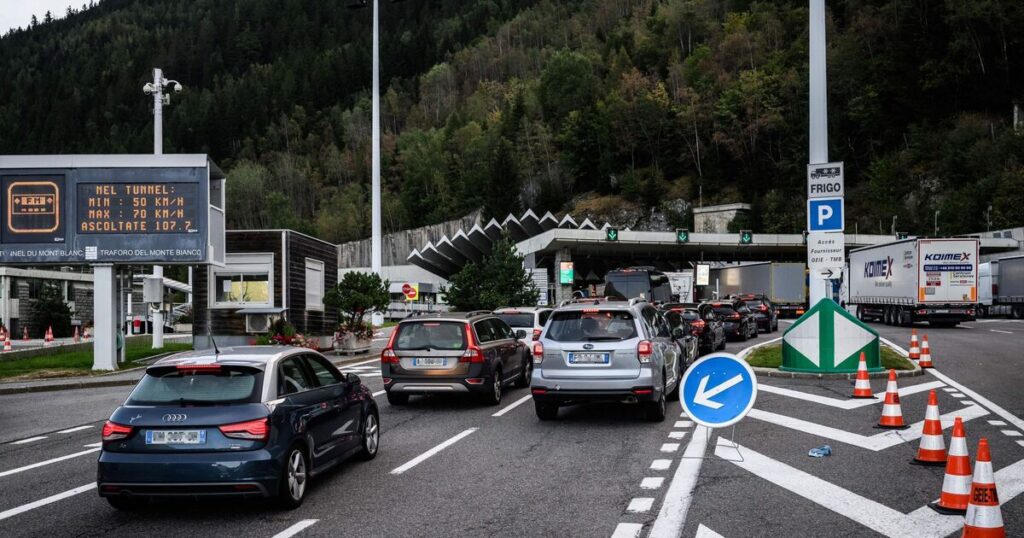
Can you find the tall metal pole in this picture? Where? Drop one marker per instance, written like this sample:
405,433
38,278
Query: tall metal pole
818,128
158,149
375,231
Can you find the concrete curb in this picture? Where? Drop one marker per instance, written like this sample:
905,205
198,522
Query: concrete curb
22,387
773,372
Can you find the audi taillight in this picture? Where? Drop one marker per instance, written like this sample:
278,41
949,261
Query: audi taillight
698,326
536,334
253,430
644,350
113,431
538,352
387,355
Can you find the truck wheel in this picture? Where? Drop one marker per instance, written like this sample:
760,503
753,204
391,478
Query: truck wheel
1017,312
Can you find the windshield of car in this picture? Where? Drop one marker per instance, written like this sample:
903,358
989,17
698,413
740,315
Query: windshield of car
426,335
516,319
591,326
222,386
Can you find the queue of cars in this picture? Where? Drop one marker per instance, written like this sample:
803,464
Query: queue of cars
261,421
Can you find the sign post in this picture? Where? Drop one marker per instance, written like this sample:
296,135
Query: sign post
718,390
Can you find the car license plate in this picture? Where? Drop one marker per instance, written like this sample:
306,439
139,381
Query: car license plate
430,361
588,358
940,311
176,437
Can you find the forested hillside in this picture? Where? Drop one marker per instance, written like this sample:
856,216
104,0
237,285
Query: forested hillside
509,104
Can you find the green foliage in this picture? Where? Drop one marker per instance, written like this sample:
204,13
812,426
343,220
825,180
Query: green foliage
61,363
50,310
498,280
357,294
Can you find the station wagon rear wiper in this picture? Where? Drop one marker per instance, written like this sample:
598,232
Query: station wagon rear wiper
603,338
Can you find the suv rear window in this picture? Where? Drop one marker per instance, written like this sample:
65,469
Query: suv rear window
600,325
517,320
690,315
422,335
168,385
724,310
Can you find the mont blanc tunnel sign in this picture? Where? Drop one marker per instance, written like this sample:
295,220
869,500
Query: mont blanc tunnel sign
827,339
109,209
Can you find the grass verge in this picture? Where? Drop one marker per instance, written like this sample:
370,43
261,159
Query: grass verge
75,363
771,357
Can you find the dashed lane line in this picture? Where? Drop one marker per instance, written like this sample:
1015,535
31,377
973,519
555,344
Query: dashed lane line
672,515
76,429
704,532
378,393
651,482
676,435
513,405
640,505
1011,433
627,530
683,424
296,528
29,440
426,455
45,501
996,423
1006,415
669,447
47,462
661,465
998,331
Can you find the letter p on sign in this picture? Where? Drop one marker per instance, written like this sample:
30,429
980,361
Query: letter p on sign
825,215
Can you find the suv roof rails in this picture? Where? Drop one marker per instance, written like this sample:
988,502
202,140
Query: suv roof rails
599,300
472,313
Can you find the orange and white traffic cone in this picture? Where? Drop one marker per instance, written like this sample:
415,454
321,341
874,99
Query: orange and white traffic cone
915,352
862,387
24,334
932,450
983,519
8,346
956,485
74,337
892,413
48,340
926,355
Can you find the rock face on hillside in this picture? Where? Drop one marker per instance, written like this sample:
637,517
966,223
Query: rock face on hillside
615,210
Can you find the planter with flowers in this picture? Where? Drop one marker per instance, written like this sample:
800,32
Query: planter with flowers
356,296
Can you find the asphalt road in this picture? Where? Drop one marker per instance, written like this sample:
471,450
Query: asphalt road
599,470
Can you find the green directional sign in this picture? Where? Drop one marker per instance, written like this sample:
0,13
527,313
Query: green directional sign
901,235
828,339
746,237
682,235
611,234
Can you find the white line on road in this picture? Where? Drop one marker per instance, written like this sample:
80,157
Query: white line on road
956,394
683,424
296,528
640,505
1021,443
847,404
76,429
43,502
513,405
378,393
998,331
93,445
29,440
661,465
1011,433
997,423
651,482
670,447
1009,417
704,532
680,491
627,530
949,389
47,462
422,457
676,435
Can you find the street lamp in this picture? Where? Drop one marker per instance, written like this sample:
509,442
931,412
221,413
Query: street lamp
893,231
156,89
988,217
936,224
375,231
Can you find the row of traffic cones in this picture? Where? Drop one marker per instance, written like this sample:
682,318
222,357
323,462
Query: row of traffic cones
976,497
47,340
923,354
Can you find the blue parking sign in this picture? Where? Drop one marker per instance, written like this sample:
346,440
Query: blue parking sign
825,215
718,390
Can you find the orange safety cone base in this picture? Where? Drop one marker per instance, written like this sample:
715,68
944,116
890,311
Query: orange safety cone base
899,427
946,511
864,397
926,463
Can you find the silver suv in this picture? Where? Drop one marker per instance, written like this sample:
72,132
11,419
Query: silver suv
605,350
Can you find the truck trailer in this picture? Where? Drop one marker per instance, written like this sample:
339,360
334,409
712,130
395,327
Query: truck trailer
1001,287
783,283
915,280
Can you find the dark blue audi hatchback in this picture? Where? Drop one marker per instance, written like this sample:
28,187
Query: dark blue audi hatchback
247,421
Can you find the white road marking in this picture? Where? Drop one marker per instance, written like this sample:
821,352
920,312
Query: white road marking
997,423
93,445
704,532
651,482
676,435
43,502
670,447
640,505
47,462
29,440
949,389
923,522
627,530
377,359
967,402
1011,433
1009,417
998,331
422,457
513,405
680,491
76,429
957,394
877,442
848,403
378,393
683,424
296,528
661,465
1021,443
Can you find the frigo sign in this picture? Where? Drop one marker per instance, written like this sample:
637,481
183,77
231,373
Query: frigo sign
67,209
825,180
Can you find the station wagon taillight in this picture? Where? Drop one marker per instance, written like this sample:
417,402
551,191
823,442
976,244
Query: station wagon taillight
538,352
536,334
387,355
473,353
644,350
113,431
253,430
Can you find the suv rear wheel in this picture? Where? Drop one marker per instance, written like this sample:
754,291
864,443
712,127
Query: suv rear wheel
493,396
655,411
546,410
526,373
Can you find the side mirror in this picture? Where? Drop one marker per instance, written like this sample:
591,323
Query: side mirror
353,379
520,334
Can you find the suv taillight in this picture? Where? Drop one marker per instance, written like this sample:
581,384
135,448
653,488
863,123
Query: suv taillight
538,352
698,326
387,355
734,316
254,430
113,431
644,351
536,334
472,354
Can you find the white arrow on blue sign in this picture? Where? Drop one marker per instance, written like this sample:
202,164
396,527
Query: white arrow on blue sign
718,390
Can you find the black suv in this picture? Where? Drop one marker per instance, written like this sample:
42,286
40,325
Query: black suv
765,313
704,324
471,353
739,320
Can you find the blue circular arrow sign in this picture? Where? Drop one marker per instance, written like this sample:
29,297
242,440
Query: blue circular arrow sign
718,390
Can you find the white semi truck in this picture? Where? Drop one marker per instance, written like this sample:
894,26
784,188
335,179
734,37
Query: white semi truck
914,280
1001,287
783,283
